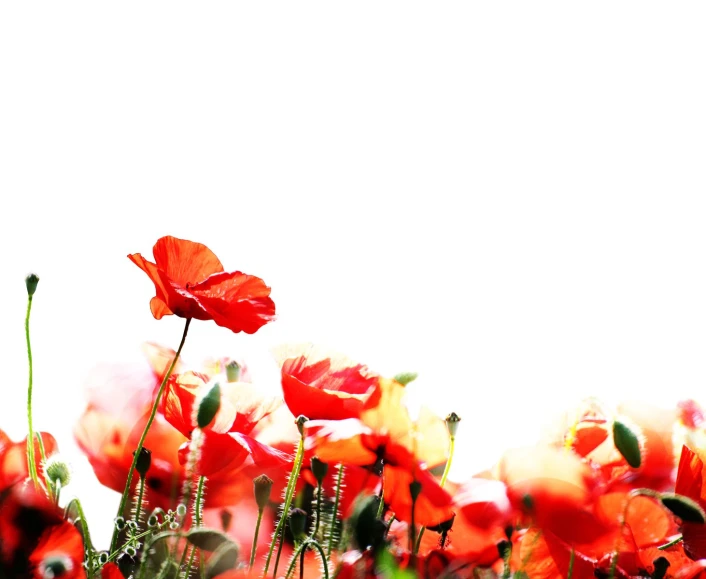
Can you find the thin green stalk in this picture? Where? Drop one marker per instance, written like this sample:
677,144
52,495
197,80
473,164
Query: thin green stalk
319,492
136,454
571,564
254,540
198,519
671,543
339,483
287,501
31,464
140,498
444,476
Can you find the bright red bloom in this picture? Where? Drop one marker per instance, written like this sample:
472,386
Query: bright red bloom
13,457
59,553
325,388
191,283
690,483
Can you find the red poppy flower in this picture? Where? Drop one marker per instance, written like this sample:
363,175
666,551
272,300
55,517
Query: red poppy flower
191,283
690,483
59,553
324,386
13,457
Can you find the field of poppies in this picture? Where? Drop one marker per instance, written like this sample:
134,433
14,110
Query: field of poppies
335,477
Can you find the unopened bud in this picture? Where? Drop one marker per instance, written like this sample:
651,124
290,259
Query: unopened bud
415,489
144,461
31,282
405,378
226,519
297,523
319,469
504,548
209,406
300,422
452,421
263,488
232,371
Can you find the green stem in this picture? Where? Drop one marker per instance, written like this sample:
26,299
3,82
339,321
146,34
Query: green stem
254,540
339,484
287,501
319,492
671,543
140,498
198,519
304,545
136,454
571,565
31,465
444,476
81,519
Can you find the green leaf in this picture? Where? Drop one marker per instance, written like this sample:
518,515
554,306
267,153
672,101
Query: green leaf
683,507
207,539
627,443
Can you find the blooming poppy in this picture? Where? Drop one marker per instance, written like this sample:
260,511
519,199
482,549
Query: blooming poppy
322,385
13,457
191,283
690,483
59,553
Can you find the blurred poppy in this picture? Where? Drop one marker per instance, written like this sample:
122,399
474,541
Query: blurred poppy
690,483
59,553
191,283
13,457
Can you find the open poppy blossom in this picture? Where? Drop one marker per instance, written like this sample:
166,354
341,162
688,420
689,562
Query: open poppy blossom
59,553
191,283
322,385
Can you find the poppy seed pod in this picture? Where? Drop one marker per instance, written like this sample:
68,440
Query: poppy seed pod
319,469
452,421
263,488
31,282
300,422
55,469
297,523
233,371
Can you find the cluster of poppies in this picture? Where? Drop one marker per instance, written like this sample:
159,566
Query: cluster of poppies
333,477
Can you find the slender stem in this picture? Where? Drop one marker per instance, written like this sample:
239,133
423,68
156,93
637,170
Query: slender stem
671,543
31,464
140,498
254,540
444,476
280,544
300,549
136,454
339,484
198,519
287,501
571,565
81,519
319,492
57,491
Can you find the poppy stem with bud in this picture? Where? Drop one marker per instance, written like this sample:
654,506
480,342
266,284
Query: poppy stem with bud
334,514
31,282
150,420
452,421
289,493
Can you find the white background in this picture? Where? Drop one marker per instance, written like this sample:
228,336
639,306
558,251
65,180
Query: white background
505,197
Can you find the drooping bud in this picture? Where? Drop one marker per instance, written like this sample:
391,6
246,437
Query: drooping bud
226,519
300,422
319,469
144,461
263,488
31,282
415,489
452,421
297,523
233,371
209,406
57,470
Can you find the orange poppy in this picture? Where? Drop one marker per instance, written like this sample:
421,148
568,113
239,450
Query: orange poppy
191,283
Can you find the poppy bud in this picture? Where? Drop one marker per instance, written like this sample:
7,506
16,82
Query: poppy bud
226,519
300,422
415,489
297,523
661,564
233,371
319,469
31,282
405,378
55,469
504,548
144,461
209,406
452,421
263,488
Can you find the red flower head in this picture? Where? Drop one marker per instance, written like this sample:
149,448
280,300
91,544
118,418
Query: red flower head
59,553
191,283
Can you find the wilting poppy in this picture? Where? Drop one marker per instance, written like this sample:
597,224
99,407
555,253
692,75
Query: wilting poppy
191,283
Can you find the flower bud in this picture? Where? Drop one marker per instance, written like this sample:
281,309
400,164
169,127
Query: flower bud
209,406
319,469
300,422
263,487
31,282
297,523
452,421
144,461
415,489
233,371
56,470
405,378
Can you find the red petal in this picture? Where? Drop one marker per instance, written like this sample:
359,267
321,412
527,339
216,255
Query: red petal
185,262
546,557
64,541
433,505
